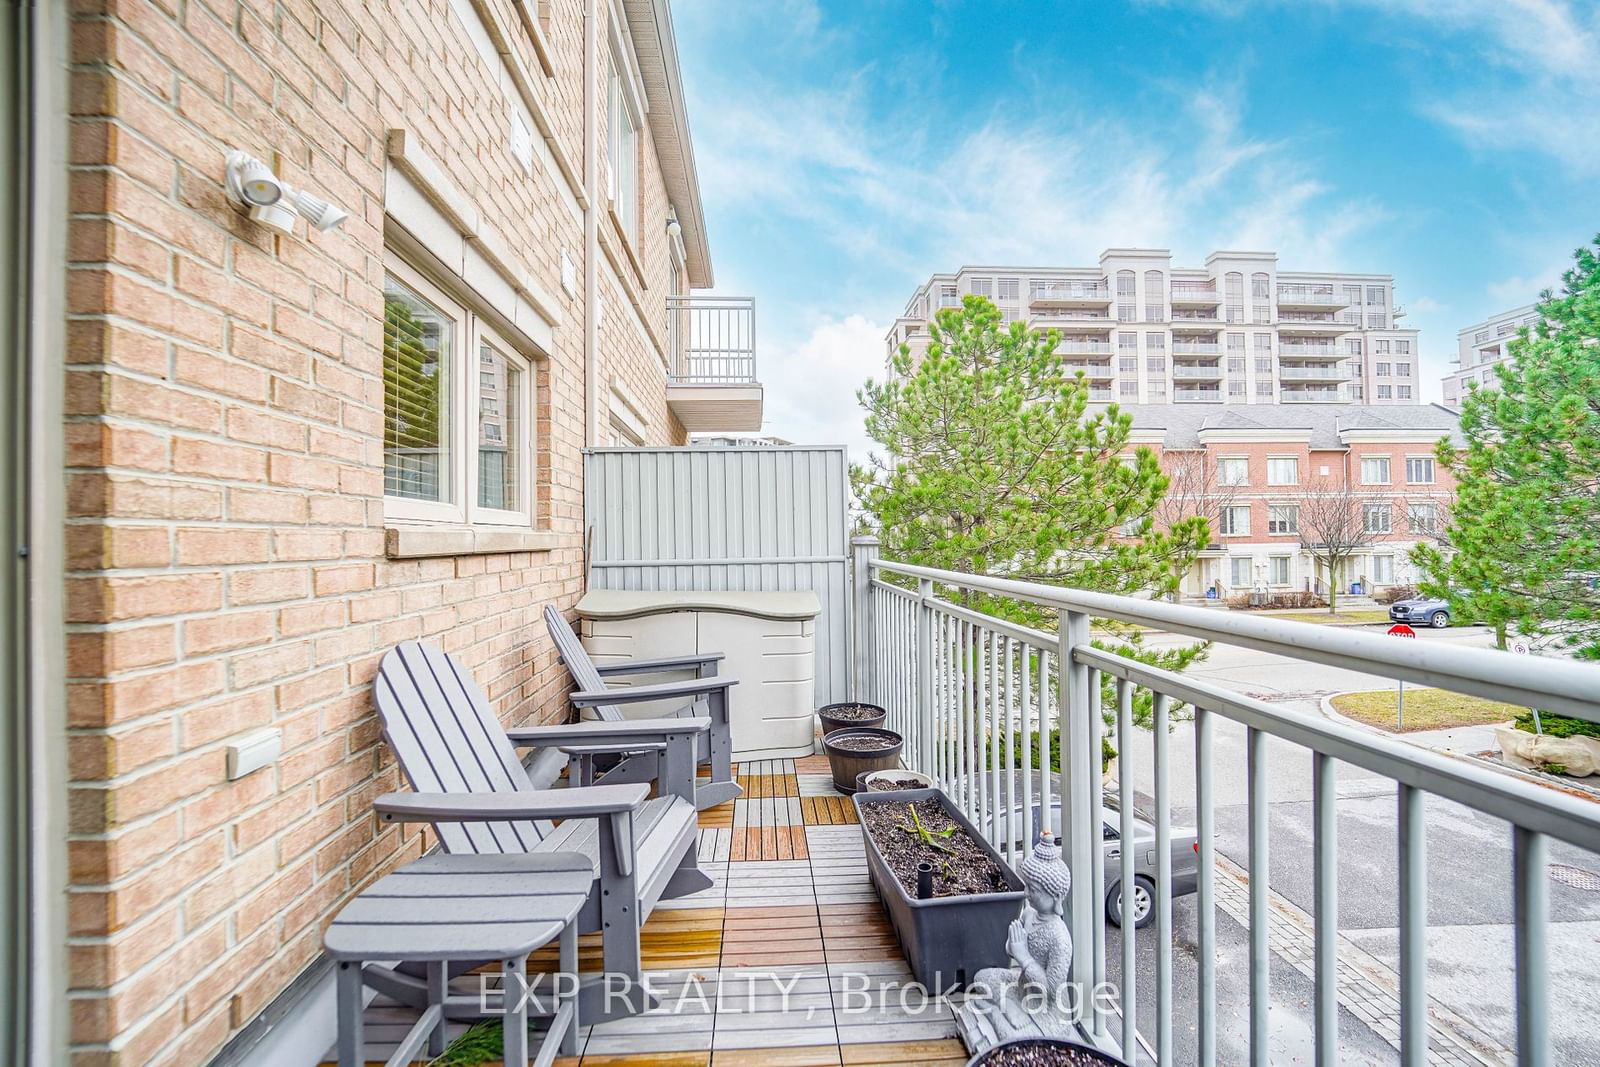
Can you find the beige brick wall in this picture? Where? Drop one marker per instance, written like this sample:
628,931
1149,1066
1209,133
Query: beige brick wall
226,530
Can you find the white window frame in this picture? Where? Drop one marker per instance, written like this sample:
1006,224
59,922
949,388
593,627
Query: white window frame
1381,562
1233,571
622,160
1225,520
1388,470
1431,526
463,395
1433,473
1287,563
1386,510
1221,480
1283,459
1292,522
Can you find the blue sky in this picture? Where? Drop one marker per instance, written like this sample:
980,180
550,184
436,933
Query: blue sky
849,148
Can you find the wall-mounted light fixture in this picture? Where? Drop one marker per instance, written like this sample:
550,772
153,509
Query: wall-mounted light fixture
273,202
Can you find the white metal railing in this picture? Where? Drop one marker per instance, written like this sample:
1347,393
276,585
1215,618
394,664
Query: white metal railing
1196,374
1301,318
1312,396
962,687
1180,293
1068,291
1080,345
1196,348
1293,349
1195,316
1289,294
712,339
1320,374
1196,395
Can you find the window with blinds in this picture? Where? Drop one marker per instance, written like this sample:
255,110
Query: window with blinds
418,339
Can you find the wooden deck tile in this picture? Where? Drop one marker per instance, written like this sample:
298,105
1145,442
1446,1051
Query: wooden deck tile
902,1052
769,843
718,817
813,764
827,810
757,786
812,1056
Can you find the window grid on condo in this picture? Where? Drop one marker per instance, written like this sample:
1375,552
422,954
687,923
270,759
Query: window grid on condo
1308,331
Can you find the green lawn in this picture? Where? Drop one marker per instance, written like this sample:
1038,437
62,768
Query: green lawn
1343,618
1426,709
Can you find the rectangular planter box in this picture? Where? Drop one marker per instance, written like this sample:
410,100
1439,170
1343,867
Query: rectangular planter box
946,940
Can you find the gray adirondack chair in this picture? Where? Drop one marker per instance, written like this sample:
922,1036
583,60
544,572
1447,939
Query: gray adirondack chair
468,782
707,693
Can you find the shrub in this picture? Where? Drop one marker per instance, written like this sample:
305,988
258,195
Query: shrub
1108,751
1558,725
1392,593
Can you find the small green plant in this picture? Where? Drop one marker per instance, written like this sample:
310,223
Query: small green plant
1558,725
1554,768
481,1043
917,829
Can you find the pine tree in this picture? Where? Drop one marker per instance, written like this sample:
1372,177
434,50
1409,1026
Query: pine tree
993,464
1523,543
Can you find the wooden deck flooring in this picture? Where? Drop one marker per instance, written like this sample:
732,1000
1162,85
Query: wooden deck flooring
768,967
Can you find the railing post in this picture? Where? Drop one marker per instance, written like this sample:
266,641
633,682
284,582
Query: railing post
926,713
1079,779
863,550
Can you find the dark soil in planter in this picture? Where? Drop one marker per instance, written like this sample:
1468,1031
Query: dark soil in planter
1041,1055
865,743
886,785
853,712
961,867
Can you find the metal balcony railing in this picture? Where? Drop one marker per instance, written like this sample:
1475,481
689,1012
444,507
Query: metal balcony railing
1316,374
1068,291
1181,373
1191,396
1196,348
1290,348
1082,346
960,685
1288,294
1313,396
711,340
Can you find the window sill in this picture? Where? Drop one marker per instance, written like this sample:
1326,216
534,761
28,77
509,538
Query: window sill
404,541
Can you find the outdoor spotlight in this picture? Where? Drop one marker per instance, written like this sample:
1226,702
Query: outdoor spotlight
674,228
271,201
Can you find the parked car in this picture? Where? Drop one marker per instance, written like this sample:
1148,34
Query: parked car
1421,610
1185,861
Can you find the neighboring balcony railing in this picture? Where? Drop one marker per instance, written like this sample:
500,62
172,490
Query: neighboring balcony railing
1082,346
1196,348
1194,316
961,686
1288,294
712,339
1194,294
1313,396
1340,373
1068,291
1196,396
1292,349
1181,373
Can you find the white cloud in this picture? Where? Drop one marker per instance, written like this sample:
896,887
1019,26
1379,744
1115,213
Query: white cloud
811,384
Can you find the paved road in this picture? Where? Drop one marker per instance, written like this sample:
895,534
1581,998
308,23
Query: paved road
1469,941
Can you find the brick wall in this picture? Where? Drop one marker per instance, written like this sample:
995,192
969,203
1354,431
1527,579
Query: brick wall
226,530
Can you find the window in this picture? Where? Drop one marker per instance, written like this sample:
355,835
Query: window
1382,570
457,447
1376,322
1403,347
1158,392
982,287
1233,470
1236,342
1423,517
1375,294
1263,342
1385,392
1239,571
1128,342
1278,570
622,153
1235,312
1235,520
1355,390
949,297
1375,518
1353,346
1352,294
1402,392
1155,342
1234,285
1153,313
1283,519
1128,364
1260,286
1374,470
1127,313
1155,364
1261,313
1263,364
1236,364
1383,369
1263,389
1128,388
1381,347
1402,370
1010,288
1283,470
1236,388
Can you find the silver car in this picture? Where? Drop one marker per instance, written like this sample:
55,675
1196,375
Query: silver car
1421,611
1185,860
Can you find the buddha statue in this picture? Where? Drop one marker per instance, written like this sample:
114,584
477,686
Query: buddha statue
1027,1000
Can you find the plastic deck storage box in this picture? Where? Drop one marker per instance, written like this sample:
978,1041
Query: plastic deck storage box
769,641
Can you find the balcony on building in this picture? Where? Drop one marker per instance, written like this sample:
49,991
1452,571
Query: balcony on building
711,382
1063,318
1311,323
1197,395
1196,316
1196,372
1196,348
1317,372
1069,294
1313,395
1184,295
1309,297
1298,350
1095,372
1084,346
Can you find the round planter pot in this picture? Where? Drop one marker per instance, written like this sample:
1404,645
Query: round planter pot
1048,1051
872,781
832,720
847,762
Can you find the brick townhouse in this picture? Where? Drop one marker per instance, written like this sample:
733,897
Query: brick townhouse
1261,474
285,452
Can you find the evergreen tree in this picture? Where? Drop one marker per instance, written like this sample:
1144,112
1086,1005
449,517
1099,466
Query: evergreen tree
1523,543
993,464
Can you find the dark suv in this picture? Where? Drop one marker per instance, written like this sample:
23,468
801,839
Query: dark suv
1421,611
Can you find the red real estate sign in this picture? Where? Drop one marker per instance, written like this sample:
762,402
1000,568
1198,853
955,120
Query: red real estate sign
1400,629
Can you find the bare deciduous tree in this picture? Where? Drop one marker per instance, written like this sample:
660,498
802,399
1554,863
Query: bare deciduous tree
1335,523
1194,490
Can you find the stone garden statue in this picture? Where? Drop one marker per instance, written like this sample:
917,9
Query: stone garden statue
1031,999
